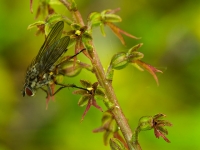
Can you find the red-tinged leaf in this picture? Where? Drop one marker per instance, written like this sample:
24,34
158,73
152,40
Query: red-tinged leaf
158,134
113,11
137,146
86,109
120,138
31,6
50,10
159,116
38,12
161,129
119,32
94,103
91,102
100,129
95,85
152,70
47,101
50,90
40,29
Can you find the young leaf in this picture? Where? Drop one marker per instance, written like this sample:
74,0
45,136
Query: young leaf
152,70
118,32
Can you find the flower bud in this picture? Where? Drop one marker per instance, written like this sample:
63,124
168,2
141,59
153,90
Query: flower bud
70,69
119,61
146,123
95,19
116,144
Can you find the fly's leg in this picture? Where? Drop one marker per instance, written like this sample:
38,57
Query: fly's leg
45,91
68,85
70,57
49,91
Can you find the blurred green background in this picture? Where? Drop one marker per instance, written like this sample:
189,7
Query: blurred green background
170,31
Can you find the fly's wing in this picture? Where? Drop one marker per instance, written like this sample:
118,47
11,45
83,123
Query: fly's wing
53,54
51,38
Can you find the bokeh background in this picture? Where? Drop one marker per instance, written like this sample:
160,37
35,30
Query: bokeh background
170,31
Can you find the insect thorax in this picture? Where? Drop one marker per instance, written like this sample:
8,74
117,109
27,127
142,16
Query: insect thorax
35,79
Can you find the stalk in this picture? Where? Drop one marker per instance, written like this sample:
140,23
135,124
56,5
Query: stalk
107,85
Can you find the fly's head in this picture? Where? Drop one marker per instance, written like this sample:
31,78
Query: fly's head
31,81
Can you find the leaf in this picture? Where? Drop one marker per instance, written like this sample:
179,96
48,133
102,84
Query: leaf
91,102
31,6
134,48
102,29
152,70
55,2
158,134
35,24
80,92
106,137
100,129
85,83
84,100
118,32
99,92
107,117
50,91
112,18
116,144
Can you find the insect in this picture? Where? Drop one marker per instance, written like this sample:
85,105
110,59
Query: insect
43,69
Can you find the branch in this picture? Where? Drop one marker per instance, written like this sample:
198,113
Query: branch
107,85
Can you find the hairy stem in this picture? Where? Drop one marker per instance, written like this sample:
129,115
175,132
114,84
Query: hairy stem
109,91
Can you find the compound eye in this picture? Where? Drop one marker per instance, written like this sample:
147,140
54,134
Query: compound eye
29,92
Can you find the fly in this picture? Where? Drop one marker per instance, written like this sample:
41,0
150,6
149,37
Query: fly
43,69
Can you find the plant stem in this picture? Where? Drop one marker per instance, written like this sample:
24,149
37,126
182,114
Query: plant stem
109,91
107,85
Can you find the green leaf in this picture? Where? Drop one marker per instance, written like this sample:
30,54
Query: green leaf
107,135
80,92
84,100
102,29
55,2
86,84
73,5
52,19
35,24
112,18
116,144
94,19
134,48
100,92
75,26
110,73
106,117
135,56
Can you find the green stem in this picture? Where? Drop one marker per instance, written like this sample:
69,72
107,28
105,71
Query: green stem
109,91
